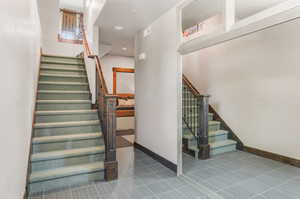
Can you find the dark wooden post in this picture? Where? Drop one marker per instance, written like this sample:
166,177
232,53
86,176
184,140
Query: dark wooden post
203,145
111,164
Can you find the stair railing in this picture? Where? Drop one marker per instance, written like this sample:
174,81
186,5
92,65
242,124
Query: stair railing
107,106
195,109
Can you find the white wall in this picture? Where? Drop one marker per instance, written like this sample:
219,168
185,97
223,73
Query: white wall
254,82
50,18
156,83
92,9
108,62
19,49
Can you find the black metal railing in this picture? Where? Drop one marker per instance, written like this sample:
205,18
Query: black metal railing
195,110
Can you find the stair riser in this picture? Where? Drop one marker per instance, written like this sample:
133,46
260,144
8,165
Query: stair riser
210,139
210,117
210,127
65,118
62,72
65,162
223,149
63,96
65,60
66,130
67,145
63,87
60,183
45,107
63,79
63,66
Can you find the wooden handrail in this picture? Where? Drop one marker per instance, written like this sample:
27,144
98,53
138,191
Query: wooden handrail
107,111
190,85
97,60
100,73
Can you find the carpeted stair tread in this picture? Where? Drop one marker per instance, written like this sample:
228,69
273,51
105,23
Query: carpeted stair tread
215,145
62,69
190,136
62,75
222,143
63,83
53,155
64,101
63,92
65,138
210,123
66,171
61,56
64,62
66,112
66,124
193,115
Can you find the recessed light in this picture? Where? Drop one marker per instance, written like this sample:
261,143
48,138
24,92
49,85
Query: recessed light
118,27
124,48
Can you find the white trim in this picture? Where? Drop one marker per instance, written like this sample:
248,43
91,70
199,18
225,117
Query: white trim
260,21
269,12
229,14
179,94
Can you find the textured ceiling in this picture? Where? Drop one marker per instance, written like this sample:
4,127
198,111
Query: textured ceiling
71,4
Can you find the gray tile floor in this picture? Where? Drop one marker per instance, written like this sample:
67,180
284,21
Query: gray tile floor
235,175
240,175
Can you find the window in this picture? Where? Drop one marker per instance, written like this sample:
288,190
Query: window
70,28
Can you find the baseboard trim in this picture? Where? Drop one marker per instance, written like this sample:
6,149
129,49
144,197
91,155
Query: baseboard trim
273,156
25,195
157,157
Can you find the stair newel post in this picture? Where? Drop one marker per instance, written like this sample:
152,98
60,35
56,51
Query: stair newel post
203,145
111,164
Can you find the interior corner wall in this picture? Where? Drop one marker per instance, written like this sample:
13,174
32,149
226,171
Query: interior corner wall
253,82
19,49
156,84
50,18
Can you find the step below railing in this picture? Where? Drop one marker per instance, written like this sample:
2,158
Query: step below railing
107,106
195,110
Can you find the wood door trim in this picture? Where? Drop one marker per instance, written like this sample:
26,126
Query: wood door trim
119,70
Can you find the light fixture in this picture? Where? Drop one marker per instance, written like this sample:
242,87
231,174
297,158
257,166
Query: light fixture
118,27
124,48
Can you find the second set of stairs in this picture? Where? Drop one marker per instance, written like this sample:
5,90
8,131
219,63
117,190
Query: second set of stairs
218,138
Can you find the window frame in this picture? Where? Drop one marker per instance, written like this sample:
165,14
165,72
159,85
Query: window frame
64,40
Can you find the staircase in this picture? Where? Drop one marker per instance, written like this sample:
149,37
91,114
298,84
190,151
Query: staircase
217,138
67,146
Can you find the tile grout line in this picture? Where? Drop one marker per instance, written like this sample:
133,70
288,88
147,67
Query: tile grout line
242,180
277,186
210,193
